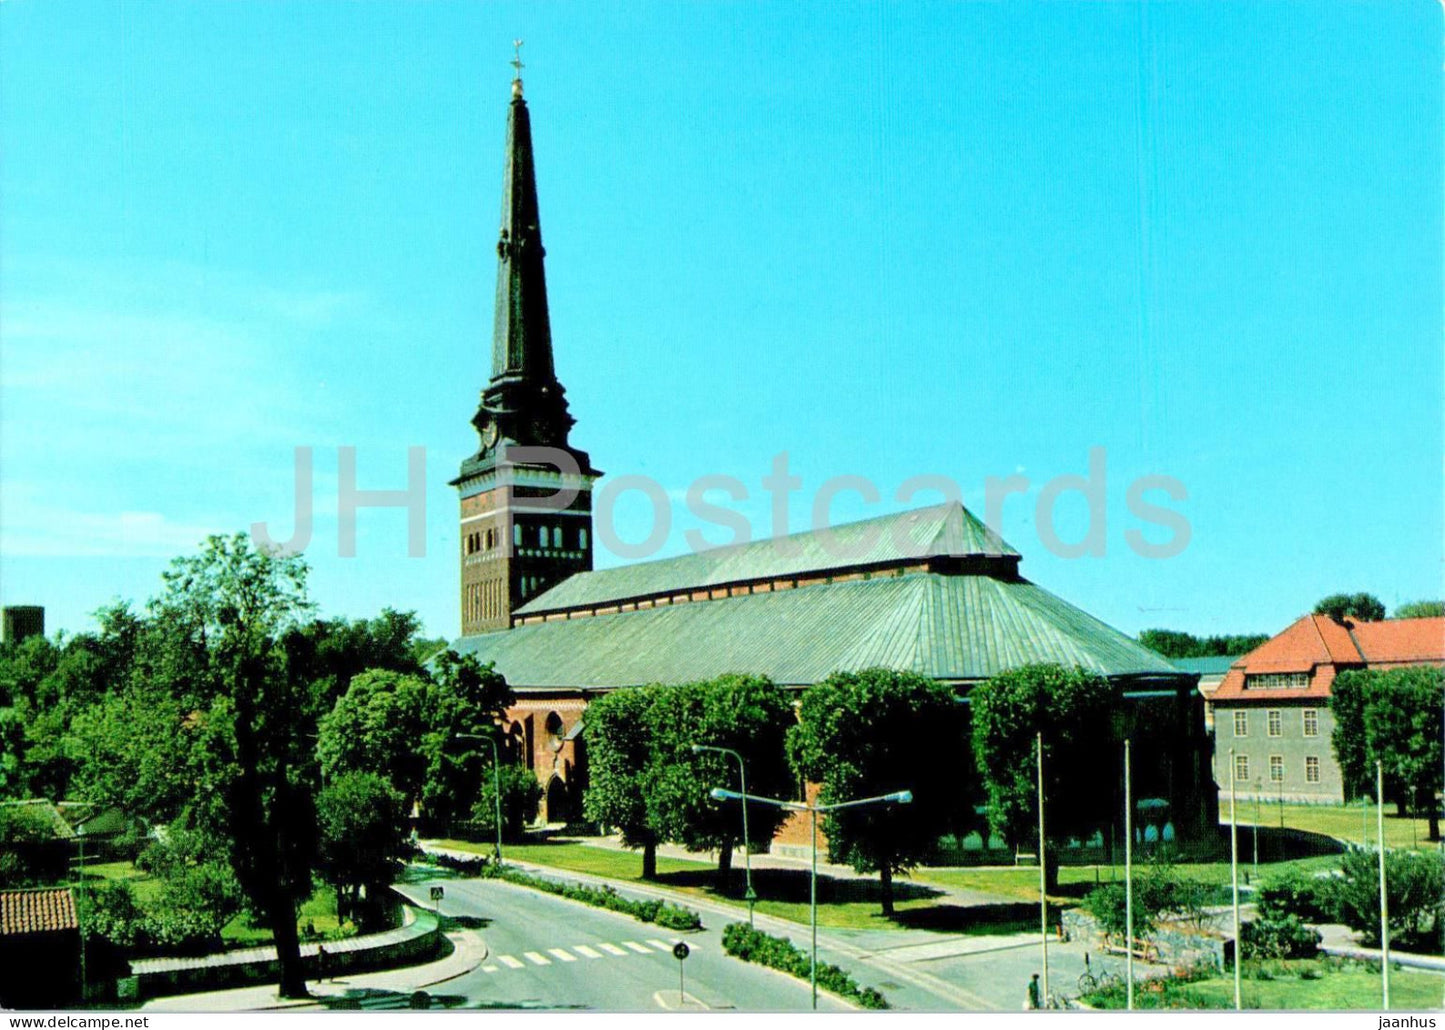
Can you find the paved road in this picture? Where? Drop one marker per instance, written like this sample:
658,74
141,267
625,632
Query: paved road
549,953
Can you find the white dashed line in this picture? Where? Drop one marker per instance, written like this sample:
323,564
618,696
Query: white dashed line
510,962
636,947
583,949
660,945
565,956
611,949
536,959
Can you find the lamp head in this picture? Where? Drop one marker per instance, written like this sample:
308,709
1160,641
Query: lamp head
903,797
718,794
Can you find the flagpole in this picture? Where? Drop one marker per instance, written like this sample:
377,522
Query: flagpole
1129,878
1234,884
1043,874
1384,900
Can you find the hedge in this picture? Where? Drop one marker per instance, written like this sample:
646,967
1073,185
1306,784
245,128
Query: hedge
750,945
650,910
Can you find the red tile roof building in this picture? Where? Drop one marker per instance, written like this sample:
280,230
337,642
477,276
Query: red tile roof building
39,949
1272,708
37,911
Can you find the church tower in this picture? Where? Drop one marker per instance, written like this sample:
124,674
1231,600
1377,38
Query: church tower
526,494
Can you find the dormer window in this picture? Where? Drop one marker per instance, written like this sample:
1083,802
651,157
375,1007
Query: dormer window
1276,681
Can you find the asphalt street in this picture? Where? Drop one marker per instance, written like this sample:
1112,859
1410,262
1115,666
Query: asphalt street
546,952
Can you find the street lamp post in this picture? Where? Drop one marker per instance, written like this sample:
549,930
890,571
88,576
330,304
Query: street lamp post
496,785
901,797
1234,880
751,896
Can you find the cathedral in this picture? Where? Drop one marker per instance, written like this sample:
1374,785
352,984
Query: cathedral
931,590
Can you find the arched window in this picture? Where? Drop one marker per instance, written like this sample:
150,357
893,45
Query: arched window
556,536
517,535
582,539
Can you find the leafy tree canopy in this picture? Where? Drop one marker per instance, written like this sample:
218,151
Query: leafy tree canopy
875,732
1364,607
1175,644
1420,610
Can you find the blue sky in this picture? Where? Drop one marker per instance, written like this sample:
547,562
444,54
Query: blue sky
968,240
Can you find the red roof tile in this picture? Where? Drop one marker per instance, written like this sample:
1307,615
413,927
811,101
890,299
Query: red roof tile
1318,645
39,911
1402,640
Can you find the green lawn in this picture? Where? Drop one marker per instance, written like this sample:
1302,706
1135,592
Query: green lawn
1076,881
1345,822
783,893
1330,985
319,912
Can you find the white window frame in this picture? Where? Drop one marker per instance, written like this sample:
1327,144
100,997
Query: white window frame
1274,722
1241,722
1312,766
1276,768
1241,768
1311,720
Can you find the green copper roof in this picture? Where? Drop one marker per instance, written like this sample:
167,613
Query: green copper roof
942,530
950,627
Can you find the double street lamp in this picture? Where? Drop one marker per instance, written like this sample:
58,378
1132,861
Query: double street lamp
751,896
496,784
901,797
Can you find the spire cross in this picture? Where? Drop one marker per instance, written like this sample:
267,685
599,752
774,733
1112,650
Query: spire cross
516,62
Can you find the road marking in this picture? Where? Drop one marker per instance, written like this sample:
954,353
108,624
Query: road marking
536,959
582,949
660,945
611,949
510,962
565,956
636,947
489,969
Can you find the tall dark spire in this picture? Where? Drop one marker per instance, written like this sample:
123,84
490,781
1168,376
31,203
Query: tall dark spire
522,332
523,403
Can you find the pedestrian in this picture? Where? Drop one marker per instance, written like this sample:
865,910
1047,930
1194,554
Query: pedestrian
321,957
1035,1001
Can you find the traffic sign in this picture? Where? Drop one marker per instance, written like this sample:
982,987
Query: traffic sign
437,893
680,951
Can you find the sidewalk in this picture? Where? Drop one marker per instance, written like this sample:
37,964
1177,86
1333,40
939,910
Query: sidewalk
1337,939
469,951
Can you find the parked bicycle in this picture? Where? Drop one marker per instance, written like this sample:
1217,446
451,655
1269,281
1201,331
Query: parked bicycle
1103,981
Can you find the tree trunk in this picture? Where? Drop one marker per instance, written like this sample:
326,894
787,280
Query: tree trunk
1051,870
649,861
1434,817
1400,807
885,882
724,866
282,915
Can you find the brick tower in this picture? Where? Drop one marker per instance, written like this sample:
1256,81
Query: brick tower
526,494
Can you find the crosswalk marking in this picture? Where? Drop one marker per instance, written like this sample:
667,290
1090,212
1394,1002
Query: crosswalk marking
510,962
611,949
660,945
582,949
489,969
636,947
564,955
536,959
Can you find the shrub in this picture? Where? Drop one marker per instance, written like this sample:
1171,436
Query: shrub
647,910
1278,937
1306,897
750,945
1416,885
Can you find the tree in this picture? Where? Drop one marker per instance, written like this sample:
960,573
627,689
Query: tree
363,840
378,726
747,714
862,734
236,601
520,795
1175,644
1420,610
1074,710
1397,717
1404,723
619,754
1362,607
